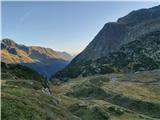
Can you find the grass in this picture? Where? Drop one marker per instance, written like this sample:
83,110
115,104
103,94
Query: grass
89,112
136,92
90,98
28,102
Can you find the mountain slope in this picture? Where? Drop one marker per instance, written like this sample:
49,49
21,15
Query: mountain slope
130,44
44,60
125,30
19,72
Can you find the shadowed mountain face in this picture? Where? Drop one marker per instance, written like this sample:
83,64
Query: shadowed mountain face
130,44
19,72
125,30
44,60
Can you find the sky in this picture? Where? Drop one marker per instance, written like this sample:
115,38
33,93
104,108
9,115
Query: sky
62,26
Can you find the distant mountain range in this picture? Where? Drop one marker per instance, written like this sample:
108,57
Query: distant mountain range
44,60
130,44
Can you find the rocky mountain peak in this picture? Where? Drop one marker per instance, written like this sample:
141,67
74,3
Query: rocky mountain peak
106,41
7,42
139,16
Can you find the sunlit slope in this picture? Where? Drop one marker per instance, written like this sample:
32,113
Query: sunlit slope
43,60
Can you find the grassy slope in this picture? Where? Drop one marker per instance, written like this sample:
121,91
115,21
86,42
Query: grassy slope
84,98
20,57
24,97
119,96
23,100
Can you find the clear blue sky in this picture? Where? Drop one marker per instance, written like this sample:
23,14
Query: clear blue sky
62,26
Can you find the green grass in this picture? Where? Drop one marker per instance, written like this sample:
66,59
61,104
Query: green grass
89,113
138,93
130,97
28,102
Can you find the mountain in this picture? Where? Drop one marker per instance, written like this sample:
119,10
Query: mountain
130,44
44,60
125,30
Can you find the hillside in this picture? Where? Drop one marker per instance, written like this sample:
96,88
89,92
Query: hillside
44,60
101,97
19,72
130,44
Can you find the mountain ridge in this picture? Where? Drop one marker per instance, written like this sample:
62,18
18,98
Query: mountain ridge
44,60
110,32
8,43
